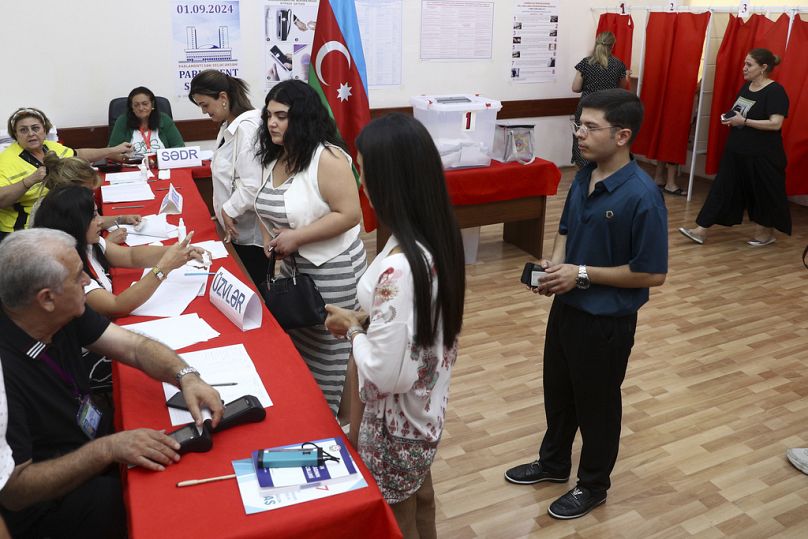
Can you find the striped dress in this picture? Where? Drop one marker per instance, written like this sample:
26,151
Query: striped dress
325,355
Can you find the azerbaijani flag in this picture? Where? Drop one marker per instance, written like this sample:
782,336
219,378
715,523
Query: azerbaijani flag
337,72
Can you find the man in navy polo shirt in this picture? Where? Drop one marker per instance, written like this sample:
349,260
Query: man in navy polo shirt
65,481
611,246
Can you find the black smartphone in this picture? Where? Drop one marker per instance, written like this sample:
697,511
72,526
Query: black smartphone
531,274
729,114
177,401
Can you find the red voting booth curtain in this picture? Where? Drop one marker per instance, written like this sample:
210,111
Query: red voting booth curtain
674,42
793,74
739,39
622,26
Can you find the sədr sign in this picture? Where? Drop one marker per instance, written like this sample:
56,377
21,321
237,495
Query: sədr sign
189,156
236,300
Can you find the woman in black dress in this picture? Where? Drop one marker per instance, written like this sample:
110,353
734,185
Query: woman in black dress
752,172
598,71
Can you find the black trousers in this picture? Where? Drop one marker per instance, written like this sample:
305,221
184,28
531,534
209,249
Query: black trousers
752,183
585,359
254,260
94,509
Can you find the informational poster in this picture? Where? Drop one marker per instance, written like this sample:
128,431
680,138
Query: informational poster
289,32
456,29
206,35
534,39
380,24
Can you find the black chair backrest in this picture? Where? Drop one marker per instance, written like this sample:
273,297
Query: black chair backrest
118,106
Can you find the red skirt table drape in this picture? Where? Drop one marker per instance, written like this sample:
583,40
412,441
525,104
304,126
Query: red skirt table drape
793,74
739,38
622,26
674,42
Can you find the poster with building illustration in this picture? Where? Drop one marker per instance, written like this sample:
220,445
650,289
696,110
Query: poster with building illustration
289,32
206,35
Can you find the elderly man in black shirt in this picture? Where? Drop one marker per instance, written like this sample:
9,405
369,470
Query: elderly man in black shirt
64,482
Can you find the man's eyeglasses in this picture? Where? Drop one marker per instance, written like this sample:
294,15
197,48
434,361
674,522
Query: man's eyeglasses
584,130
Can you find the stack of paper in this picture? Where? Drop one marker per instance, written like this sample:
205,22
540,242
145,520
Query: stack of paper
116,178
151,228
300,484
127,192
224,365
176,332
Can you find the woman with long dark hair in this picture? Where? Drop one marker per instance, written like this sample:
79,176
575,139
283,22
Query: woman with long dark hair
308,206
144,126
752,173
235,170
404,338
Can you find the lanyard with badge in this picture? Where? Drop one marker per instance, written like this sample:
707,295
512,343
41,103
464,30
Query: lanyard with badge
146,135
88,416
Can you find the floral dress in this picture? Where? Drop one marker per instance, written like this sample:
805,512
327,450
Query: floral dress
405,387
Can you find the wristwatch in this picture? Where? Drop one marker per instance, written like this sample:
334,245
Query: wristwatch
183,371
158,273
582,281
353,331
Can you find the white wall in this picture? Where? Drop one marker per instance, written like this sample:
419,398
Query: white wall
71,58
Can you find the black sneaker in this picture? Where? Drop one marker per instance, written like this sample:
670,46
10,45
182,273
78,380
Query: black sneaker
576,503
532,472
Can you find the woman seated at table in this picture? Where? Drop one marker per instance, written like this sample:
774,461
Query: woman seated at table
22,164
412,295
308,207
74,171
145,127
72,210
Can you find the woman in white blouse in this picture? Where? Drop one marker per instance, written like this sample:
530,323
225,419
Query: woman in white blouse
404,339
235,169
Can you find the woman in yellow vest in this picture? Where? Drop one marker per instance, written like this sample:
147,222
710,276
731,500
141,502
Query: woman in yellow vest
22,165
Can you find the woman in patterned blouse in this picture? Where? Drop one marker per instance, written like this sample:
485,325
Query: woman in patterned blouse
598,71
404,339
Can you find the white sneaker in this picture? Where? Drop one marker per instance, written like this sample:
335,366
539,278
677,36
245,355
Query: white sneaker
799,458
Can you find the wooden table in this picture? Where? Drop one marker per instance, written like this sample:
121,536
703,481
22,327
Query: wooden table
509,193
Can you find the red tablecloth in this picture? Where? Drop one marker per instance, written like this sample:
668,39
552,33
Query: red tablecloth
157,508
202,171
502,181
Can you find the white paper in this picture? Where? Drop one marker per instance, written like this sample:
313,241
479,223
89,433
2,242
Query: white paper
225,364
216,248
153,225
176,292
127,192
205,155
133,240
380,24
172,202
115,178
456,29
164,174
176,332
534,41
237,301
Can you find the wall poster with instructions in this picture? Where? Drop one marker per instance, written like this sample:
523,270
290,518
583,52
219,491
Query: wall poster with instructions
288,34
205,35
534,41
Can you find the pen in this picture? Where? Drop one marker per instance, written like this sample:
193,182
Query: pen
192,482
164,188
126,207
201,273
224,384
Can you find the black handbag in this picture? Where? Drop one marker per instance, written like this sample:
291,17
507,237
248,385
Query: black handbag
294,301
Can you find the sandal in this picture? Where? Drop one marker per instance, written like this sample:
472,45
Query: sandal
676,192
692,235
